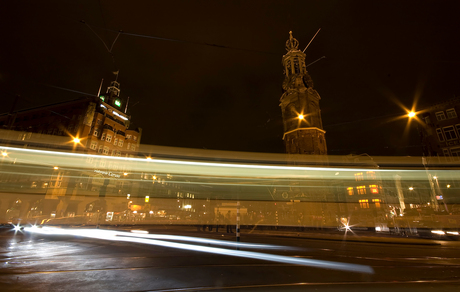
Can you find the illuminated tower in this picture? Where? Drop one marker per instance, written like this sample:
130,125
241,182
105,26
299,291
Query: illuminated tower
303,128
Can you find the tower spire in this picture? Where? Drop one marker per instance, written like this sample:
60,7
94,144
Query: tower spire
303,129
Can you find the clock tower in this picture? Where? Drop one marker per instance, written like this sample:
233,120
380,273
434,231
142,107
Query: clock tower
303,128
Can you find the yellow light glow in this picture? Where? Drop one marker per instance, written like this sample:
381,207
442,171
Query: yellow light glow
301,117
411,114
4,154
154,177
448,186
149,158
411,188
125,173
56,168
435,177
76,140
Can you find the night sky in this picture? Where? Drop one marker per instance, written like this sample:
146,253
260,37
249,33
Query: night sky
208,74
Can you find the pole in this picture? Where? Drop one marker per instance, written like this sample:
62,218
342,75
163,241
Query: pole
100,87
238,223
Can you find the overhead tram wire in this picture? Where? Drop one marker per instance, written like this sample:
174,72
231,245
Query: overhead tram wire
167,39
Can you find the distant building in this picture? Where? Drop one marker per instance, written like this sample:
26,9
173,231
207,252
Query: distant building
303,128
441,129
101,123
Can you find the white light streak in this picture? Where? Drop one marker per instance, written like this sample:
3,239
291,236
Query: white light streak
122,236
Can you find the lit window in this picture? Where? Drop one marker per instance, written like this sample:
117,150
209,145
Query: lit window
96,132
120,143
364,204
440,116
106,150
129,146
359,176
451,113
100,149
440,135
133,147
128,136
361,190
377,202
109,138
371,175
115,142
93,145
117,102
374,189
449,132
103,137
135,138
350,191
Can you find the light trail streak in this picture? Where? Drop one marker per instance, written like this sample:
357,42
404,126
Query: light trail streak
214,169
204,240
121,236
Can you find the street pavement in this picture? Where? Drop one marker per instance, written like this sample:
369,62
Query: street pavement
67,263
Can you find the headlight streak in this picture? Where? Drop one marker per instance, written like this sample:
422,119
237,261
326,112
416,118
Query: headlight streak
121,236
205,240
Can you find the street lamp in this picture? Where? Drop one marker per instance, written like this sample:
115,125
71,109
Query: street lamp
301,117
411,114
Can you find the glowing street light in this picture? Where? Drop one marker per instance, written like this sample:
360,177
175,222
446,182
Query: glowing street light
448,186
4,154
55,168
301,117
76,140
125,173
411,188
411,114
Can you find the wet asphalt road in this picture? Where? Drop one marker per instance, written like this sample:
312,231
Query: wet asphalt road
66,263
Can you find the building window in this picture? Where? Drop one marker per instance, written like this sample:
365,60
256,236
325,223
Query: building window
120,143
128,136
371,175
361,190
377,202
99,122
133,147
440,116
100,149
106,150
103,137
350,191
374,189
96,132
364,204
129,144
113,152
427,120
455,152
93,145
359,176
135,138
449,132
451,113
115,142
440,135
109,138
446,152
